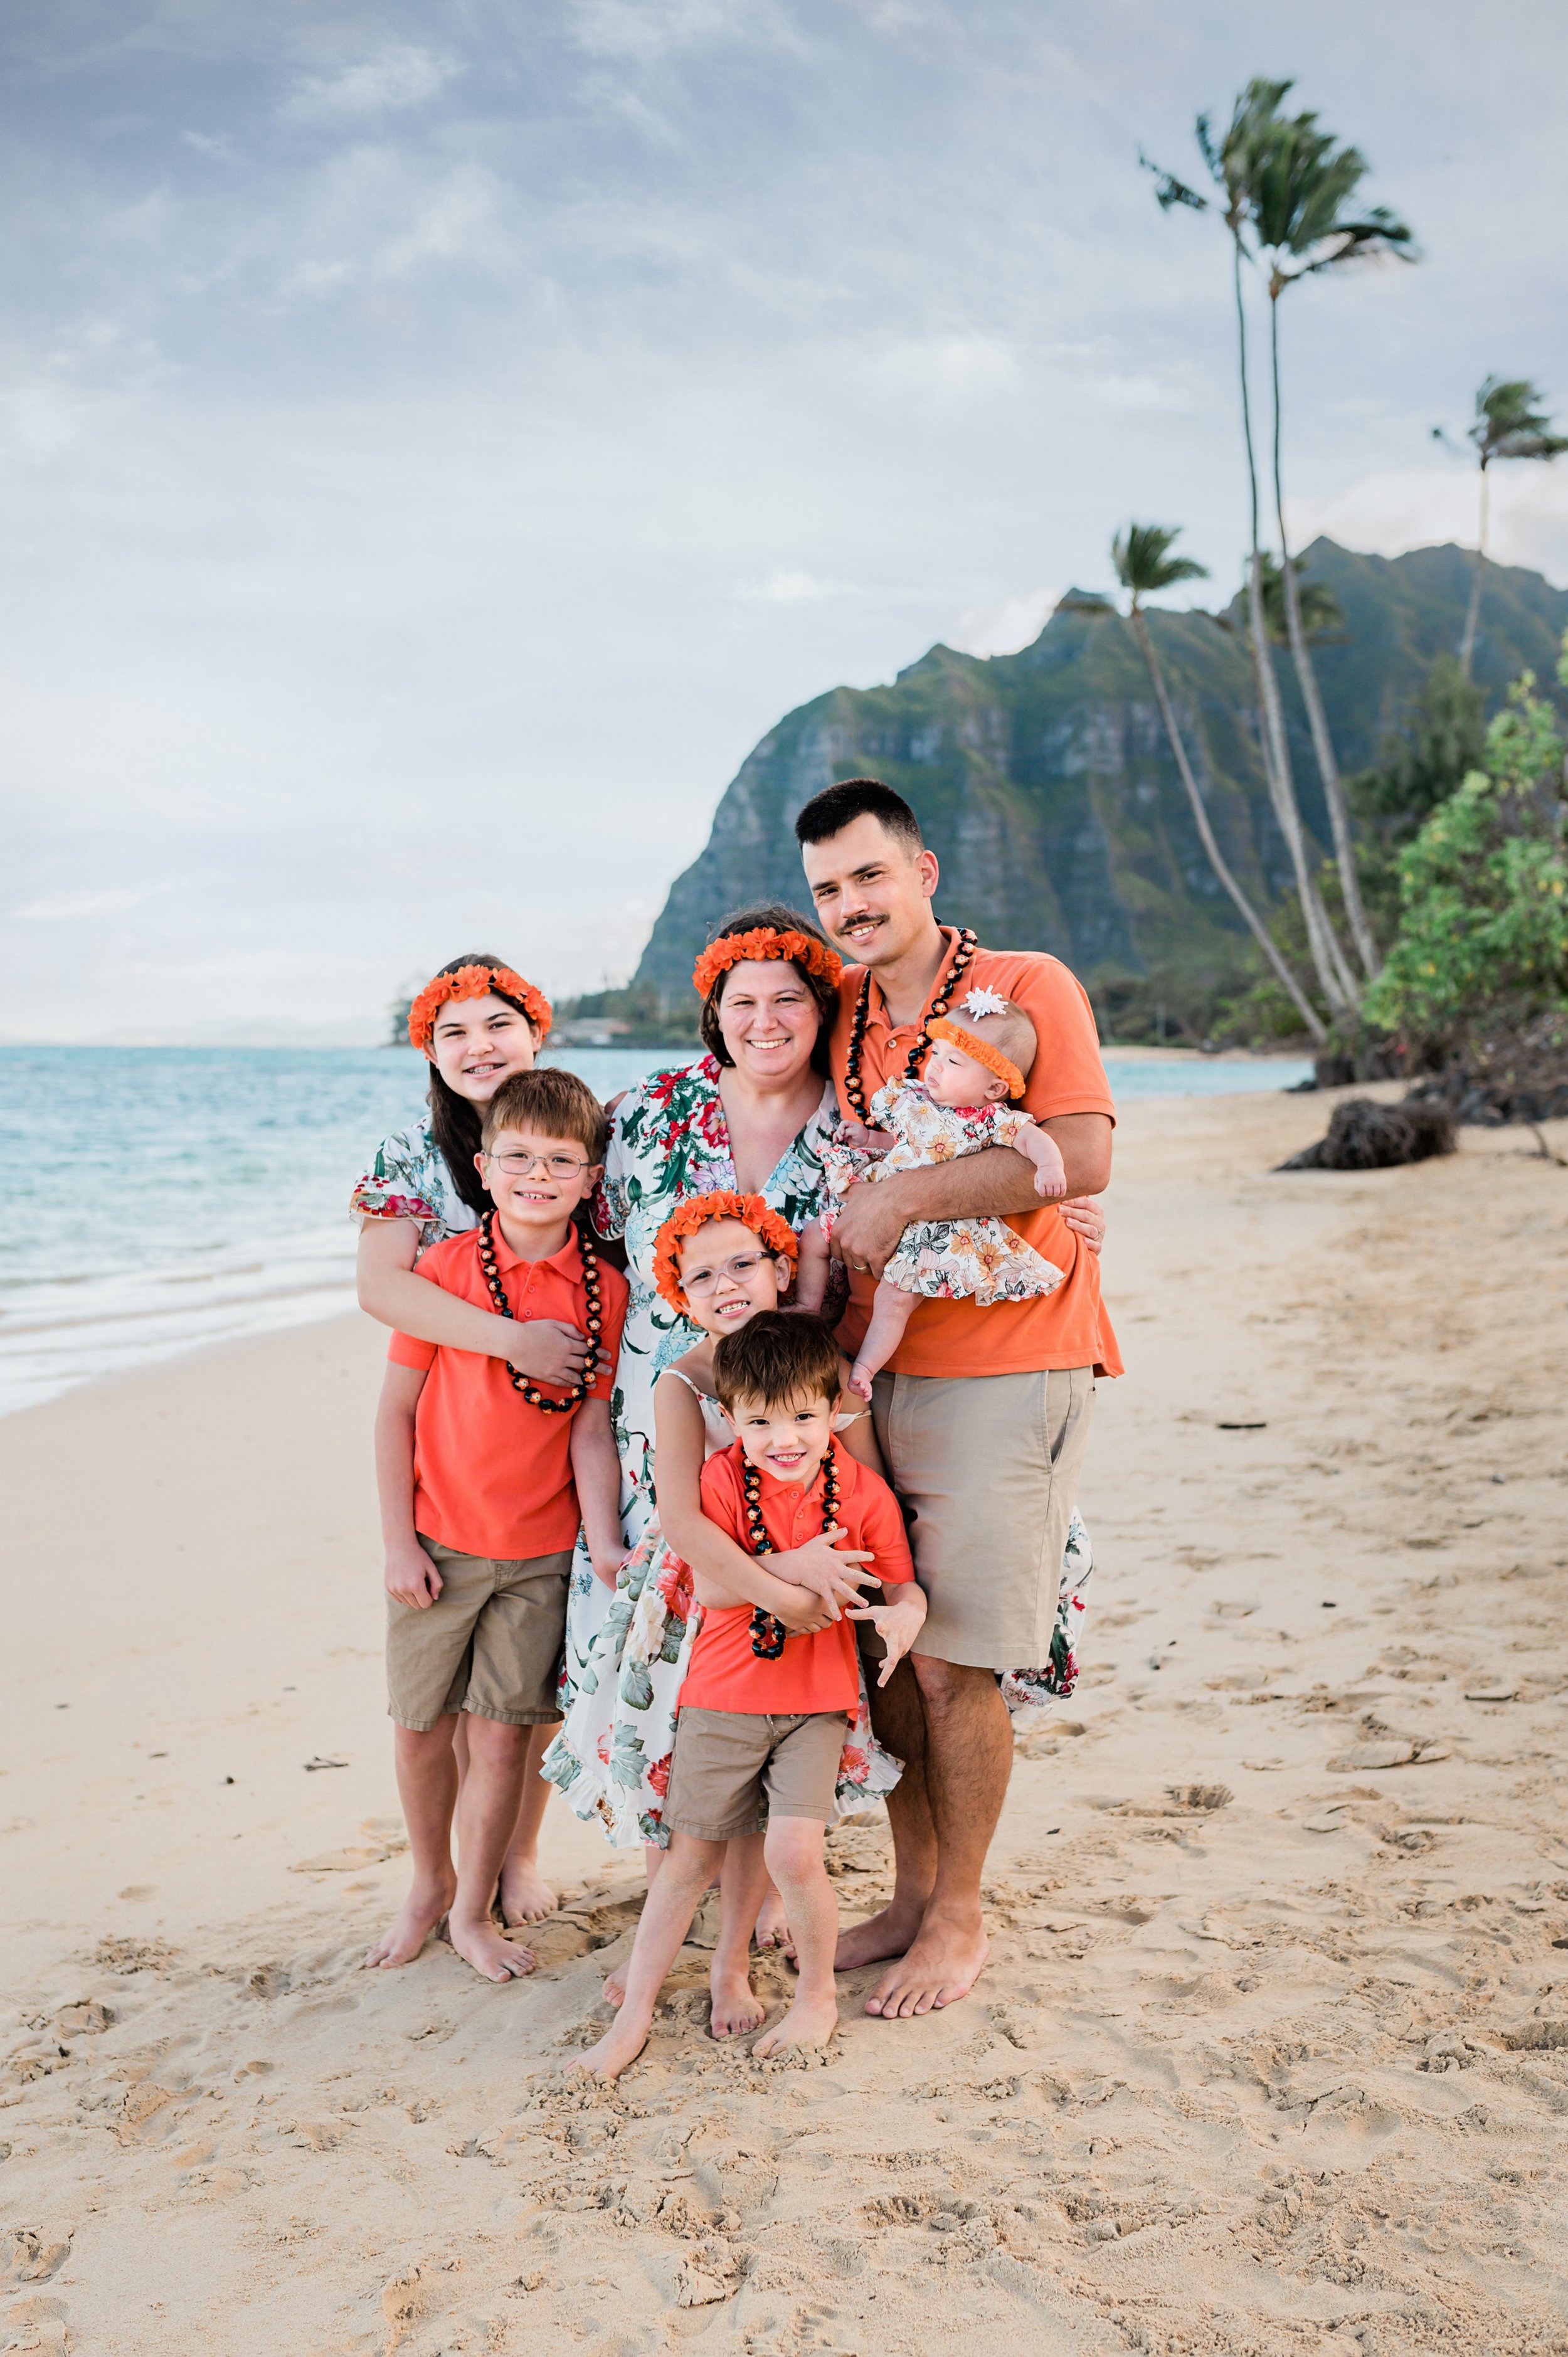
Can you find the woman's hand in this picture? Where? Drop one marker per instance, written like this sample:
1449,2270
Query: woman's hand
548,1352
1085,1217
411,1576
833,1573
807,1616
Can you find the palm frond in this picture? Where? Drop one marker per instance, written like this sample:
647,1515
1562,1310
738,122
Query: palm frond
1168,190
1144,566
1512,422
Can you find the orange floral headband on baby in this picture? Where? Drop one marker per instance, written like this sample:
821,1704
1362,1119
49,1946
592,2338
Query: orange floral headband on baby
765,942
474,981
695,1212
969,1044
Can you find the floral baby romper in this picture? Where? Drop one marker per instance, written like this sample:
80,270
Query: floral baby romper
980,1260
611,1759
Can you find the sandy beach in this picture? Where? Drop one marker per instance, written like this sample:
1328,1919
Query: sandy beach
1273,2054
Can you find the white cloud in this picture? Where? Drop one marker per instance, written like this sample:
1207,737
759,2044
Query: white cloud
1413,507
949,368
786,588
1005,628
394,79
639,31
70,907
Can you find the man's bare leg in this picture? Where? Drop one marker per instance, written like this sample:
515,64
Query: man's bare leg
427,1787
899,1719
486,1819
525,1896
969,1757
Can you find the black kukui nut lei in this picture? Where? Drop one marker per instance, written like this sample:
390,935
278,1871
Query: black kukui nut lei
520,1383
967,943
768,1631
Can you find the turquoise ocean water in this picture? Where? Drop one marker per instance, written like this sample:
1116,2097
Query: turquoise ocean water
165,1197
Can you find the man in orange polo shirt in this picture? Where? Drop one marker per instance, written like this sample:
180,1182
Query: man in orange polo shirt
983,1413
484,1478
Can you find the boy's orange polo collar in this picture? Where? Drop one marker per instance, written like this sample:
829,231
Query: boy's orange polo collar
770,1488
567,1263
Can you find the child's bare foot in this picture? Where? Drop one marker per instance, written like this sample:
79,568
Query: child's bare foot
525,1896
736,2007
426,1903
620,2046
860,1379
773,1925
614,1989
811,2021
478,1943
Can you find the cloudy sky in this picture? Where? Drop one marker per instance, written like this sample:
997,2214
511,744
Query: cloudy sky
440,440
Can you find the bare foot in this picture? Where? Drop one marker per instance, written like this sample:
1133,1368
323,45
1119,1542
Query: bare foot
525,1896
811,2021
889,1933
773,1924
944,1965
736,2005
614,1989
620,2046
480,1944
860,1379
423,1909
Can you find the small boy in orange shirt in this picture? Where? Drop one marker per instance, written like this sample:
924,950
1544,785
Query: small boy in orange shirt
763,1714
483,1480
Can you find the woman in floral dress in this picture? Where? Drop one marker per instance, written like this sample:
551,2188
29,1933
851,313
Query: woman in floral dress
749,1115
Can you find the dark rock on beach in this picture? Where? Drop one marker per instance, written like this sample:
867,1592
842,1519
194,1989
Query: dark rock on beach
1365,1136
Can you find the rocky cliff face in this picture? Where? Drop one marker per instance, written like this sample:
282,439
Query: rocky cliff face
1044,783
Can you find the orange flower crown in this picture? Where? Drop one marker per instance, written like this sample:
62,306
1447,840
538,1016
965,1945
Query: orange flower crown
695,1212
764,942
474,981
969,1043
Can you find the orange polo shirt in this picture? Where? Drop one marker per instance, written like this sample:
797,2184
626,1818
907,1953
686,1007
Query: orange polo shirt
492,1476
1068,1328
815,1673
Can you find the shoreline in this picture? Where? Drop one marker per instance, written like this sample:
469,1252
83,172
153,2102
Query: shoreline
1266,2052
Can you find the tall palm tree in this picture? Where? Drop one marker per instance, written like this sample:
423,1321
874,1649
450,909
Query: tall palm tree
1509,422
1233,161
1144,566
1322,616
1301,203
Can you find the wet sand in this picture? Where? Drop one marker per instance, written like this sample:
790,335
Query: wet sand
1273,2054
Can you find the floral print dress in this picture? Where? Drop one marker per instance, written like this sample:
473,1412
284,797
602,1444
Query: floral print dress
980,1260
627,1652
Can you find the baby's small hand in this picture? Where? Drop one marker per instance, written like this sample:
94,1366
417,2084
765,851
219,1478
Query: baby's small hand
1049,1180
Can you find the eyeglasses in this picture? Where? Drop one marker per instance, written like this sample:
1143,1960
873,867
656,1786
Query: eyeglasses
703,1280
522,1165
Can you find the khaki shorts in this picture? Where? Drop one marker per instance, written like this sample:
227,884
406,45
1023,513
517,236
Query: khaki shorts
489,1644
990,1466
725,1759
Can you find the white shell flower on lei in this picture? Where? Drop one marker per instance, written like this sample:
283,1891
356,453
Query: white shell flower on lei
985,1001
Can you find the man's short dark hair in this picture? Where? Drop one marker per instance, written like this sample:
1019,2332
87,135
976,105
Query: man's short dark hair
776,1357
838,806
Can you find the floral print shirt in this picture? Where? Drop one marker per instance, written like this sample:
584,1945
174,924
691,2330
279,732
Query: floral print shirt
670,1139
409,1179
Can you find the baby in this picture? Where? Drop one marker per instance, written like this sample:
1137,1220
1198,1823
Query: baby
973,1070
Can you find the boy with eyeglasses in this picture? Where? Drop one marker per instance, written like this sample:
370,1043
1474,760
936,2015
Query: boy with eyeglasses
483,1477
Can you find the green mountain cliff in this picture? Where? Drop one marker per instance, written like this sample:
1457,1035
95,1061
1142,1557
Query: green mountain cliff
1045,785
